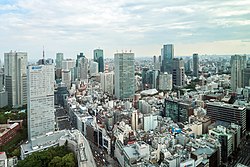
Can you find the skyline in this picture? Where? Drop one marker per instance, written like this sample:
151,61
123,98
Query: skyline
206,27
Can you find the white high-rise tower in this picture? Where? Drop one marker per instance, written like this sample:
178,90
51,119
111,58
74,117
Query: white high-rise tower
41,115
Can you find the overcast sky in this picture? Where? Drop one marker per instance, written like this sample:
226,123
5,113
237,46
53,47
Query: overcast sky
143,26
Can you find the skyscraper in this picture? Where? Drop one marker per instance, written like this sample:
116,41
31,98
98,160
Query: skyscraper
107,82
15,64
98,57
246,77
41,116
167,57
82,68
59,59
195,65
168,52
124,75
178,72
238,63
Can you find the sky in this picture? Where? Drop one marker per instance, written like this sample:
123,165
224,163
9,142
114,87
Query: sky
143,26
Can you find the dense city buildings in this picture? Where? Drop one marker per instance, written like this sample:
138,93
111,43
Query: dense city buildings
124,75
15,72
40,94
134,114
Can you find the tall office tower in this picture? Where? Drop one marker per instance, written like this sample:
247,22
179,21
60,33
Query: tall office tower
15,64
82,68
98,57
167,57
93,68
66,78
107,82
156,63
59,59
165,81
178,72
227,113
238,63
124,75
1,81
195,65
246,77
68,64
41,115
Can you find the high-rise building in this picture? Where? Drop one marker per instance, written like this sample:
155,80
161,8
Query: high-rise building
1,81
168,52
41,115
82,68
68,64
124,75
178,72
59,59
238,63
167,57
98,57
165,82
195,65
67,78
227,113
246,77
107,82
15,64
93,68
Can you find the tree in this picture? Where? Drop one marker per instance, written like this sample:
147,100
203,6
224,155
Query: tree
69,160
56,162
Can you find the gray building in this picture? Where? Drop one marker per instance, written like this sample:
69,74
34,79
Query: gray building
98,57
246,77
195,65
15,64
238,63
218,111
124,75
167,57
59,59
178,72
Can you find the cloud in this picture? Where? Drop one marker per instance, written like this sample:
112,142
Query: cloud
77,25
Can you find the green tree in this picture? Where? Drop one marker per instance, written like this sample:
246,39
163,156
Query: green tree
69,160
56,162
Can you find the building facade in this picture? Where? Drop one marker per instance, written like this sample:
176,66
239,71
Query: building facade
98,57
238,63
41,117
59,59
227,113
124,75
178,72
167,57
15,64
195,65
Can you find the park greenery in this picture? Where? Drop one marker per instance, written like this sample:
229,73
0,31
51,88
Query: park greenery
12,148
59,156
